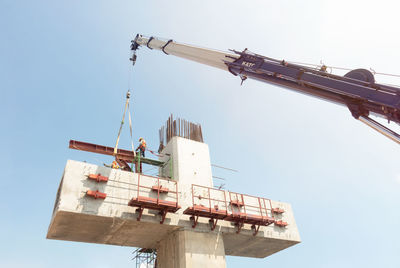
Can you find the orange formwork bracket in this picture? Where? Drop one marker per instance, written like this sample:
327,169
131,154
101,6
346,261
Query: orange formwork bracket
281,223
160,189
96,194
237,203
98,177
278,210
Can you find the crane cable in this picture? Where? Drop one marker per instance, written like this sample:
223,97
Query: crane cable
128,94
317,66
130,129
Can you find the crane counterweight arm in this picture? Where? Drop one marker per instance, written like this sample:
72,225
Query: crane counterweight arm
357,89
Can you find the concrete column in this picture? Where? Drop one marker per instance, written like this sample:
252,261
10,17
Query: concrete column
191,249
191,165
191,161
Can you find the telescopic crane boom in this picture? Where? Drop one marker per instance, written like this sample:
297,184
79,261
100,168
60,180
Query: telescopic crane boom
357,89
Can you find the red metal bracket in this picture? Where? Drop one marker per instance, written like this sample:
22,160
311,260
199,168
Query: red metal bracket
140,211
161,189
163,213
195,219
213,223
96,194
239,226
278,210
255,229
237,203
281,223
97,177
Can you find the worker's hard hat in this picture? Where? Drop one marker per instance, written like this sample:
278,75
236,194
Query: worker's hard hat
140,139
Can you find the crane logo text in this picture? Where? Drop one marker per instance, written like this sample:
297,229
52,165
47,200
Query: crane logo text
248,64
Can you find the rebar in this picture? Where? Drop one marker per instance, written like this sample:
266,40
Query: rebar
181,128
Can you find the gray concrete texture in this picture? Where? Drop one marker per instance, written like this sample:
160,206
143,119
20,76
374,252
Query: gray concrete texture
191,249
78,217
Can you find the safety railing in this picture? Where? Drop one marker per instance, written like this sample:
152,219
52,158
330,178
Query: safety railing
155,184
217,204
207,202
213,198
250,209
155,193
243,205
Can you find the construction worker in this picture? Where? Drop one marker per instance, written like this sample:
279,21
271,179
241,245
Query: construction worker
141,147
114,165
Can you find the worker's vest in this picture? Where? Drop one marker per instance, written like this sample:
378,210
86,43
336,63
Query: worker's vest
114,165
143,145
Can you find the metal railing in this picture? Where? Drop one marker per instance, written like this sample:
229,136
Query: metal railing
252,205
240,208
239,205
211,201
159,185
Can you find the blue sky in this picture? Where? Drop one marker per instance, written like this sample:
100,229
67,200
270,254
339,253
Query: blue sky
64,71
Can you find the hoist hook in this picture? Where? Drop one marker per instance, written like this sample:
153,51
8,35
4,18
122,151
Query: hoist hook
134,47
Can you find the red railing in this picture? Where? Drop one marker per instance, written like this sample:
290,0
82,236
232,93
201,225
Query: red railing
213,211
162,205
159,188
240,208
208,197
262,206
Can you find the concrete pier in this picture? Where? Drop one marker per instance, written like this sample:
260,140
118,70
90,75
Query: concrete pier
79,217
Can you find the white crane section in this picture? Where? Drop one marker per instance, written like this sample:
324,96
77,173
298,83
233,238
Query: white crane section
206,56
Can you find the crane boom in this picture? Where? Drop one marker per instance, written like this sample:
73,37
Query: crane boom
357,89
206,56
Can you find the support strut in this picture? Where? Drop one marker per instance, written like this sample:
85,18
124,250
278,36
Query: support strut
213,223
140,210
195,219
163,213
239,226
380,128
255,229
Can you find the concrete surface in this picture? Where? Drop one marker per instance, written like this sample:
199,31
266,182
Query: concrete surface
191,249
191,161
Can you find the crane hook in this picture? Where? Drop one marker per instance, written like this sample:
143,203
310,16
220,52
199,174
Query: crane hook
134,47
133,58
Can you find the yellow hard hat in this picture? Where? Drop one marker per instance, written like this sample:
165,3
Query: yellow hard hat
140,139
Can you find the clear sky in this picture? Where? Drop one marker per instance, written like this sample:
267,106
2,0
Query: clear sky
64,71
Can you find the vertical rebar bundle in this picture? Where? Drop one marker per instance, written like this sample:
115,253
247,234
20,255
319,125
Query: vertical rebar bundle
181,128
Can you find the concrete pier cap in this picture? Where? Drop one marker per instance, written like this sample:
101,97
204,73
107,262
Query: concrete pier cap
80,217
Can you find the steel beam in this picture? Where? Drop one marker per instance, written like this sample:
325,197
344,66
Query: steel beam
122,154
